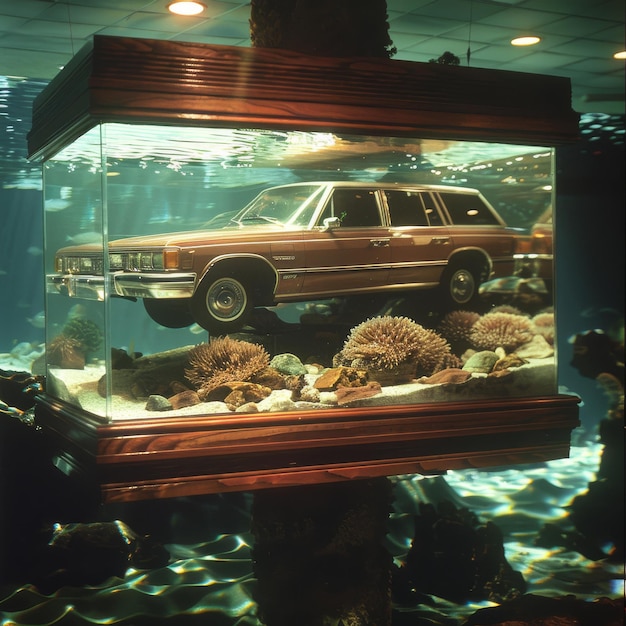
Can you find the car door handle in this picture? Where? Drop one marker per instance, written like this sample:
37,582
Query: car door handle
440,240
379,243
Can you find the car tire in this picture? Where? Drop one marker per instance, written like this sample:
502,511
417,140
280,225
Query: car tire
169,313
222,303
459,286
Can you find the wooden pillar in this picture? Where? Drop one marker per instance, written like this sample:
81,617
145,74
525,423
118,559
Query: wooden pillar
319,555
322,27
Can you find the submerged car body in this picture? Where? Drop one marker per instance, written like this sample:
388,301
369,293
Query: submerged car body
299,242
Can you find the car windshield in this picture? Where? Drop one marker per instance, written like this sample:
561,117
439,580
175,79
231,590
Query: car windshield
289,206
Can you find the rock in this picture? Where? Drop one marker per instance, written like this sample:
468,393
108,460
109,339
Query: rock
288,364
158,403
341,376
455,556
308,393
184,399
278,400
452,375
249,407
238,392
536,348
533,610
499,373
481,362
269,377
90,553
348,395
509,360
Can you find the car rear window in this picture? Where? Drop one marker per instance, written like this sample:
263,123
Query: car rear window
468,210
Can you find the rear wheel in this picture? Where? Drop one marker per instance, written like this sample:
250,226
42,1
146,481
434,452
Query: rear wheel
222,303
169,313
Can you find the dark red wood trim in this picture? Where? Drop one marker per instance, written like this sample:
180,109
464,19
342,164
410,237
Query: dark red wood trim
163,457
167,82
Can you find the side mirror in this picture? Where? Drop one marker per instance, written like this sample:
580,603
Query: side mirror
331,222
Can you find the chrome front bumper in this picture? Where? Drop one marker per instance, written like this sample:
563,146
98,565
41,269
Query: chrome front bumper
87,287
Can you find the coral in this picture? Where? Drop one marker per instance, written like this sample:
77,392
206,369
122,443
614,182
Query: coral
507,308
505,330
388,342
455,326
224,360
86,332
544,326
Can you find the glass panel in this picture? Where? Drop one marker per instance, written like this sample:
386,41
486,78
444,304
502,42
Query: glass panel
77,327
217,236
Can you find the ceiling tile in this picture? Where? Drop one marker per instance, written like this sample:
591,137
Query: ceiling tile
575,26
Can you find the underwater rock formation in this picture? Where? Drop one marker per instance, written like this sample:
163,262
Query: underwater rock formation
533,610
224,360
89,553
504,330
388,344
456,557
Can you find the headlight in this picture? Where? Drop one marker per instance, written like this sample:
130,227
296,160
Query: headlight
116,261
145,261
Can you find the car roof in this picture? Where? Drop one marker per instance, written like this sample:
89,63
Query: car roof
380,185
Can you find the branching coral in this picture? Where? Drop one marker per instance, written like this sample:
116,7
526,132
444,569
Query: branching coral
224,360
501,330
387,343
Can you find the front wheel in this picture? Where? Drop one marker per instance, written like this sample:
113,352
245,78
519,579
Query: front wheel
459,286
221,304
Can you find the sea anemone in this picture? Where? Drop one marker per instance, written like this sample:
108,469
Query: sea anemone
544,326
387,343
455,326
65,352
224,360
501,330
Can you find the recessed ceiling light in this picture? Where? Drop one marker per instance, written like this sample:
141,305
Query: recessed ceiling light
620,55
525,41
186,8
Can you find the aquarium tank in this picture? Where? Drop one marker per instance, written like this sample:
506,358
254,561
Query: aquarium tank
194,270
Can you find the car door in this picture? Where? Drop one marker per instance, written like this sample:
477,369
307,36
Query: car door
353,254
420,243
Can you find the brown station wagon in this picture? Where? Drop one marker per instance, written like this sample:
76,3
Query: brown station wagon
299,242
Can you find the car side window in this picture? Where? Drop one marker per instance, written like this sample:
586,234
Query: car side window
353,207
468,210
406,208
